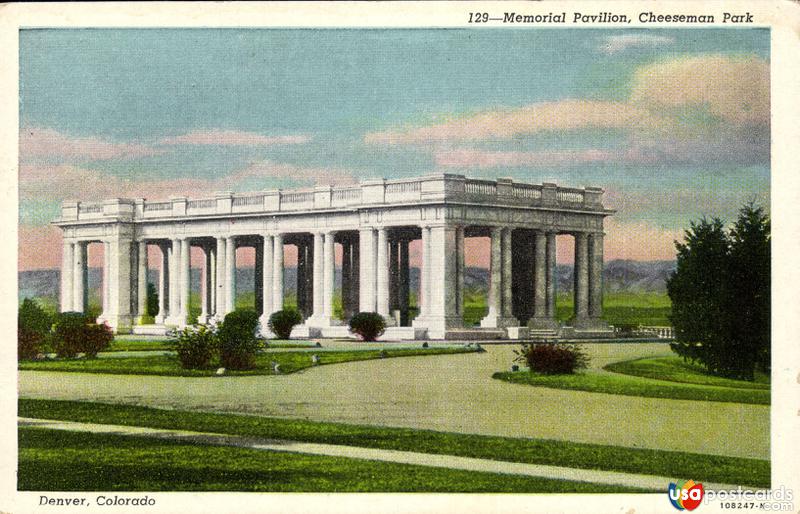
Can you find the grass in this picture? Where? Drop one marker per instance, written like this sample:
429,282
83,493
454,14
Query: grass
121,344
734,470
674,369
168,365
51,460
625,308
612,383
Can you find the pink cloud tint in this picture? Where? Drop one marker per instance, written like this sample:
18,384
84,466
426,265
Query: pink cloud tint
36,143
468,158
233,138
506,124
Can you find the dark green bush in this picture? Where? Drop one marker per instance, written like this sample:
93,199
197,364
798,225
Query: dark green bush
238,341
368,325
75,332
196,347
282,322
553,358
33,328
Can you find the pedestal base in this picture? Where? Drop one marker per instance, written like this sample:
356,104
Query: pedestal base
499,322
437,326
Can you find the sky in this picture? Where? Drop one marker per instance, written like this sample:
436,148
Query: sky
672,124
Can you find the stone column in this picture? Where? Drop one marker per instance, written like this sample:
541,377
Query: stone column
221,301
329,259
79,290
174,253
302,270
354,276
551,276
205,286
67,272
118,314
382,275
403,279
106,276
277,273
495,279
394,278
540,275
459,285
317,309
442,312
212,281
424,289
141,282
507,302
230,274
581,295
595,275
163,285
366,275
185,281
347,279
266,284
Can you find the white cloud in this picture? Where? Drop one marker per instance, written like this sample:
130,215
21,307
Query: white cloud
621,42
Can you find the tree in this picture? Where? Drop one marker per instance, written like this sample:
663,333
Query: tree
152,299
33,327
720,294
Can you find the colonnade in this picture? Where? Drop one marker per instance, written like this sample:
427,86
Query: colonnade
375,276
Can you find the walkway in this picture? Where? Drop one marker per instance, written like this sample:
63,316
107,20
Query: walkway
374,454
451,393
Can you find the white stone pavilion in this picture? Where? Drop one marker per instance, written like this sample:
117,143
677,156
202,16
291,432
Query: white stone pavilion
373,222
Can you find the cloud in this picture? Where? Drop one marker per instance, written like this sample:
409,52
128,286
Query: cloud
732,89
317,176
233,138
37,144
470,158
565,115
621,42
667,97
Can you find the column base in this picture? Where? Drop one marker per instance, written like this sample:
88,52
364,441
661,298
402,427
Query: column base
160,319
175,321
494,321
122,324
437,326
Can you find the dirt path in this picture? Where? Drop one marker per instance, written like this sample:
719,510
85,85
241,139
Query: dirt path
452,393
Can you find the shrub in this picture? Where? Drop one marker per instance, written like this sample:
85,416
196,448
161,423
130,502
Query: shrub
196,347
33,328
282,322
368,325
238,342
75,333
553,359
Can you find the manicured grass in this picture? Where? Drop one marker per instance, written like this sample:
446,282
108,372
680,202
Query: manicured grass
137,345
168,365
51,460
712,468
625,308
612,383
674,369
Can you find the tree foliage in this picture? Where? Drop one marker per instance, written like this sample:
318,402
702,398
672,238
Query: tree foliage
33,328
720,294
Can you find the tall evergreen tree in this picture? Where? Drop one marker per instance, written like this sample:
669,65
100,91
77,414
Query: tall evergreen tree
720,294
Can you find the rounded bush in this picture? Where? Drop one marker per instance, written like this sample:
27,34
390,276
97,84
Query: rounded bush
368,325
75,332
282,322
196,347
33,329
238,342
552,358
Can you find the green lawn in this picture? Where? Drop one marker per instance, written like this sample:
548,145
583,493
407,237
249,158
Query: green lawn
732,470
51,460
168,365
121,344
625,308
613,383
674,369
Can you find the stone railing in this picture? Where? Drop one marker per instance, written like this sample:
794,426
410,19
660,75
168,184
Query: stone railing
435,188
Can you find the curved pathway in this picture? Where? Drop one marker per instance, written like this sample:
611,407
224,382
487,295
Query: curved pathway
453,393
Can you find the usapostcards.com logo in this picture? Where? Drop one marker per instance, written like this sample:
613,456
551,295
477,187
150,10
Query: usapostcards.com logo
685,496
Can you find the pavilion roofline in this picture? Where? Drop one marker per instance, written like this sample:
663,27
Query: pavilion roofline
445,188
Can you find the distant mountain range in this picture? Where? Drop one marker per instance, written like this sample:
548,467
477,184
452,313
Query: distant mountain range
619,275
